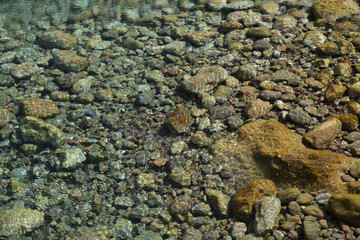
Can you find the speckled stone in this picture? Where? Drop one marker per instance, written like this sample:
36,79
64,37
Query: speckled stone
96,233
180,120
57,39
68,61
40,108
266,211
201,139
181,206
15,221
24,70
206,79
285,75
354,90
180,177
35,130
328,48
299,116
72,157
244,199
342,70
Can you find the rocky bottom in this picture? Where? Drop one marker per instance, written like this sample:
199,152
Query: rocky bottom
216,120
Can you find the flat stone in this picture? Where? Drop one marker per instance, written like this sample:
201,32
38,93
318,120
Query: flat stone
206,79
288,195
57,39
346,207
334,92
180,120
244,199
323,134
311,230
40,108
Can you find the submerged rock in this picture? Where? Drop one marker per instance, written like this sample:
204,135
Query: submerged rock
346,207
206,79
15,221
269,149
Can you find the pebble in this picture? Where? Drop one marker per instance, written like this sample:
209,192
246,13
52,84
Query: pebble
72,157
266,211
57,39
299,116
68,61
257,108
344,206
219,202
180,177
324,134
35,130
244,199
180,120
206,79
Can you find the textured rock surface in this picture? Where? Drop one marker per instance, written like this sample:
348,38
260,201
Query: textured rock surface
14,221
68,61
40,108
266,212
269,148
335,9
323,134
57,39
206,79
180,120
35,130
244,199
346,207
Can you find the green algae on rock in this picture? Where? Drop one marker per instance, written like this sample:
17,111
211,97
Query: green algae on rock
68,61
57,39
346,207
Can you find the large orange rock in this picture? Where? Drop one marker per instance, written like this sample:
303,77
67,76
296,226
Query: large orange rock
269,149
244,199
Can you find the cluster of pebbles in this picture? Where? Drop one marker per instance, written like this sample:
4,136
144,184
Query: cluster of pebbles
170,127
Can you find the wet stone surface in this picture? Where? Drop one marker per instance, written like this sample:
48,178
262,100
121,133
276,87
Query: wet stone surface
180,120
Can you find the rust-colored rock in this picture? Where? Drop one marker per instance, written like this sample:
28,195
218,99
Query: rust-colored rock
180,120
244,199
269,149
40,108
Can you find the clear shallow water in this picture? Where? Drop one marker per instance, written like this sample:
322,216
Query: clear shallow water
15,14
